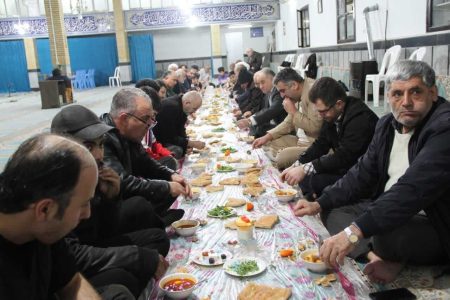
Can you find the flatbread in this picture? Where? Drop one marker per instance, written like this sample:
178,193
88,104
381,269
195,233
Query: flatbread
203,160
253,191
235,202
230,181
201,182
231,224
214,188
267,221
250,179
231,159
207,135
256,171
254,291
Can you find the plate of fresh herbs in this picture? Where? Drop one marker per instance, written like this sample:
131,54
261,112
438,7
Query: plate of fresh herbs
245,266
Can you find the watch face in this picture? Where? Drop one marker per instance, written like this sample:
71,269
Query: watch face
353,238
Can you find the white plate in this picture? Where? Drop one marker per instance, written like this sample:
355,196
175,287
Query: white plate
261,264
232,213
204,260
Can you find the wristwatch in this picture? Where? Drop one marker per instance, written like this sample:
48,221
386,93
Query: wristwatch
352,237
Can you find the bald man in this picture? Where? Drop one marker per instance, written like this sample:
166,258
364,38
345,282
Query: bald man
170,130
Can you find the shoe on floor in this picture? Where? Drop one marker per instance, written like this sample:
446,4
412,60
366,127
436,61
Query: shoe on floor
171,216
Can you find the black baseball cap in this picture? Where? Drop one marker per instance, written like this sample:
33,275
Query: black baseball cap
80,122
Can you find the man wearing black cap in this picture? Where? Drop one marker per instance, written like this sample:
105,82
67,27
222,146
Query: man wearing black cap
109,238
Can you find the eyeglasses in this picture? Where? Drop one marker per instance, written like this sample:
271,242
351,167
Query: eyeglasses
151,122
324,111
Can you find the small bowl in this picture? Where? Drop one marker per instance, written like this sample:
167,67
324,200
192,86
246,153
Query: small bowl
290,195
180,294
313,266
186,231
242,167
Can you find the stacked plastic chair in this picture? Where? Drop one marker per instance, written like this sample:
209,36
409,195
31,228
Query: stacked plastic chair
90,81
80,81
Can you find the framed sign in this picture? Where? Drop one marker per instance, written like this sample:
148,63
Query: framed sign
256,32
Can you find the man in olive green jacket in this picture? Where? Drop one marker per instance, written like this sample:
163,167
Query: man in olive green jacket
301,126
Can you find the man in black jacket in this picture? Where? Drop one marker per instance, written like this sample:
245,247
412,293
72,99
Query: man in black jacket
347,131
272,113
132,114
405,173
119,233
171,128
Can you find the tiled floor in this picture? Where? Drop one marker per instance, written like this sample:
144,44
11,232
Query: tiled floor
21,115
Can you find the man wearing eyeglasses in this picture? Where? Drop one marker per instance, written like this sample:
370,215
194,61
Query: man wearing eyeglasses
345,135
132,115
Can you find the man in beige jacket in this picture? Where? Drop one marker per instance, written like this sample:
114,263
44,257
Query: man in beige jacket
302,119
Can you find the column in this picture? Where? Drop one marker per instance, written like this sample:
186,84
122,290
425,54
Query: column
32,63
216,51
57,35
122,42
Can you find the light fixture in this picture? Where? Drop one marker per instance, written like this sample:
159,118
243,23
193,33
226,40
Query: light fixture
78,8
237,26
21,27
193,21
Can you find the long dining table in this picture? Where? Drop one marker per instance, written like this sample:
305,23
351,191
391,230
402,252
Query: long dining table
290,231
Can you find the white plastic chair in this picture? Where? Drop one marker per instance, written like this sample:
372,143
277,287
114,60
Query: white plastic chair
290,58
115,80
299,65
418,54
390,58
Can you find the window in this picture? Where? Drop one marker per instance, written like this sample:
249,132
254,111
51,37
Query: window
303,27
438,15
345,21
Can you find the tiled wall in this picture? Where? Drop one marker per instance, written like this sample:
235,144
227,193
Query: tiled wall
336,64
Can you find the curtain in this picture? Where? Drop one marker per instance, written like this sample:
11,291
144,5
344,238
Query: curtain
44,56
96,52
14,74
142,56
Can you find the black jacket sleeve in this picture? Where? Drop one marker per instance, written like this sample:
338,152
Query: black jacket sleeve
132,185
320,147
424,182
92,260
272,112
351,145
170,130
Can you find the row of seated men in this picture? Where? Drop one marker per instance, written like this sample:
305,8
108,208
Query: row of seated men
387,188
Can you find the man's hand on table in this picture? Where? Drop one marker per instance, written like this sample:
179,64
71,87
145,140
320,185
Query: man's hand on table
305,208
177,189
108,182
163,264
237,113
243,123
196,144
335,248
289,106
259,142
247,114
181,180
293,175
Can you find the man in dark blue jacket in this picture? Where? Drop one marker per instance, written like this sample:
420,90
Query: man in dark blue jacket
348,128
405,174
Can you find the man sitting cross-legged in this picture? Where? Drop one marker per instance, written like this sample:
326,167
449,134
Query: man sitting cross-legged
302,120
109,237
404,174
45,192
347,131
132,114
